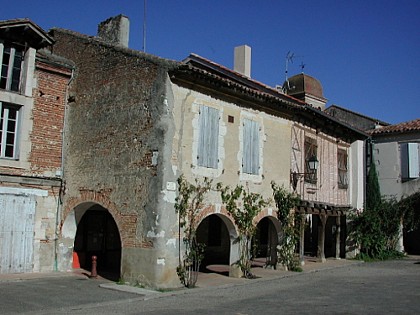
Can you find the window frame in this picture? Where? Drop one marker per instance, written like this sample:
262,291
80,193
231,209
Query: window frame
9,80
311,149
342,168
5,110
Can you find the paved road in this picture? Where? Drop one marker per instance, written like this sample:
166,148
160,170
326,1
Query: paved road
391,287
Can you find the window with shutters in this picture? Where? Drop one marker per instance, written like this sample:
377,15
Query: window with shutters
251,147
410,160
8,130
311,150
208,139
11,62
342,169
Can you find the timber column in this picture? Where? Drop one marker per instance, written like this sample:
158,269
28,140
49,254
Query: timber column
321,237
337,237
302,240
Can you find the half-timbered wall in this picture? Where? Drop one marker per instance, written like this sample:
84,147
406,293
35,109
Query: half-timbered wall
325,188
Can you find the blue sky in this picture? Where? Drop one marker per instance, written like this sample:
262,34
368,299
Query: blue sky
366,53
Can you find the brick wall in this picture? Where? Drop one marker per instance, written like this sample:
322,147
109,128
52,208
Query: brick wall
48,118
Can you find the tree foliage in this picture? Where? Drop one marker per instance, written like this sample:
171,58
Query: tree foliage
410,208
377,231
373,192
378,228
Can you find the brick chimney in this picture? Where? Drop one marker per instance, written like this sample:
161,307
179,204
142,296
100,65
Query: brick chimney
242,60
115,30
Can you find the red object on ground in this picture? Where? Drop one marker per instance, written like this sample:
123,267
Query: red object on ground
76,262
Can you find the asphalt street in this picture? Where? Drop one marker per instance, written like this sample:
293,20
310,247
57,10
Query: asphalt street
390,287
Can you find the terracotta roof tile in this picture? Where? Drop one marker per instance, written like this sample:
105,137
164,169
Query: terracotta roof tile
409,126
258,85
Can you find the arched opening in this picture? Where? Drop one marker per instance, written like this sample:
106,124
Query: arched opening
214,234
97,235
264,245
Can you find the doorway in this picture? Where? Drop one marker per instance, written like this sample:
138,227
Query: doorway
213,233
97,235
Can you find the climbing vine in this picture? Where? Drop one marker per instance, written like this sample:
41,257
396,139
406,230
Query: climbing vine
290,221
188,204
243,206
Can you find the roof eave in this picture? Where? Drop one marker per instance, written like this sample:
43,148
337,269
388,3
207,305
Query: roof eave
26,30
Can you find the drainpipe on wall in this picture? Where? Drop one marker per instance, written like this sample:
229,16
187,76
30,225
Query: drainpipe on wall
62,186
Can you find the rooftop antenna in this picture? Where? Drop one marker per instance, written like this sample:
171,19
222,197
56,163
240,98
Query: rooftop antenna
289,59
144,25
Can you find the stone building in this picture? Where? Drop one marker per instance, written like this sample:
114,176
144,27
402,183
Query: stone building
136,122
396,152
337,186
133,124
33,92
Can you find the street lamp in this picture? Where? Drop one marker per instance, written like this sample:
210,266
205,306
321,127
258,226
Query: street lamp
312,165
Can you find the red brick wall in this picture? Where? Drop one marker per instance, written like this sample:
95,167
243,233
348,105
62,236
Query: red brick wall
48,118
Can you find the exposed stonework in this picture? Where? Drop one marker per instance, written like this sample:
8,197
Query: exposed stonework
114,149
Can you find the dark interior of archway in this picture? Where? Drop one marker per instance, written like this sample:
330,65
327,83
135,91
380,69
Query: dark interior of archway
213,233
265,242
98,235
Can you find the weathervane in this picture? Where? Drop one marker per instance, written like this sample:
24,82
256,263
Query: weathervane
302,65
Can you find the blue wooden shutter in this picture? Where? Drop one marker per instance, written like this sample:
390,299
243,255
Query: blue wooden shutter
251,147
208,142
410,160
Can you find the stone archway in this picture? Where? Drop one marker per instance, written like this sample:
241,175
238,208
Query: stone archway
97,235
215,228
264,245
90,229
214,235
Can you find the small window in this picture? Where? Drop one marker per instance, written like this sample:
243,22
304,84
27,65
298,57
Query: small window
11,67
342,169
311,150
251,147
8,130
410,160
208,141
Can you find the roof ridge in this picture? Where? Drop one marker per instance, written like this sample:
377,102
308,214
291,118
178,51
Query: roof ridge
359,114
243,77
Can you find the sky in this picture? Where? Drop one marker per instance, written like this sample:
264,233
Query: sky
365,53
